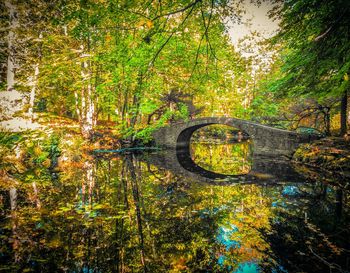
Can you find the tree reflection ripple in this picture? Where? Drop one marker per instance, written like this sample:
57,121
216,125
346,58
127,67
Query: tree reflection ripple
122,214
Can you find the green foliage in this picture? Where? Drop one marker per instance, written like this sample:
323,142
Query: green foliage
183,112
8,143
32,149
53,148
262,106
9,140
316,54
145,135
120,59
41,149
148,107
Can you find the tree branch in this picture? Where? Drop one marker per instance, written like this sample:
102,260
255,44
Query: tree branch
191,5
171,35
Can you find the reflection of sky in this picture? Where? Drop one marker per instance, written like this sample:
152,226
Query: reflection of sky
87,270
245,267
224,235
227,232
224,238
279,203
248,267
290,190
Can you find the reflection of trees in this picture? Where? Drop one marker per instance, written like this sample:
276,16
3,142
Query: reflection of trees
117,215
14,223
123,215
134,177
309,232
224,158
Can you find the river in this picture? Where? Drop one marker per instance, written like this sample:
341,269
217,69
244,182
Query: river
215,209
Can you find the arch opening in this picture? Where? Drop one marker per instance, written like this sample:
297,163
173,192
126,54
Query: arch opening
218,148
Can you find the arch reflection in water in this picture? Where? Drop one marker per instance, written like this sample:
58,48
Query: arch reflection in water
229,158
217,149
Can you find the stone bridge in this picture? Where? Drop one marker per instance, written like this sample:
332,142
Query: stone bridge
266,140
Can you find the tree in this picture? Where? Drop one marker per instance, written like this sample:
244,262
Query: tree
120,60
11,40
315,37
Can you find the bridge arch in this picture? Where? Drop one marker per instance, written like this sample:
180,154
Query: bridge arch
266,140
184,137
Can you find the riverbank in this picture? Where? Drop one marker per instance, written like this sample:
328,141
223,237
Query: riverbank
329,155
50,142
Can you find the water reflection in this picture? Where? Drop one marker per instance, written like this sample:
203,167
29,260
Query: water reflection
123,214
218,149
228,158
251,169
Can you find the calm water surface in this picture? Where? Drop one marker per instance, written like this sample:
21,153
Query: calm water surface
152,213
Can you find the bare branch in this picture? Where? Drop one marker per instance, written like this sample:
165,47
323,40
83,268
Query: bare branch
323,34
191,5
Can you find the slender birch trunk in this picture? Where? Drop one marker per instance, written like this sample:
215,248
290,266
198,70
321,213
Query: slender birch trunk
87,103
90,107
13,24
34,84
87,100
83,101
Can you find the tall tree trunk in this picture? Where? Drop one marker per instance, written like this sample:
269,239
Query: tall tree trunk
87,100
136,105
90,179
124,109
13,198
15,238
83,104
10,74
34,82
87,105
36,195
90,109
32,91
343,114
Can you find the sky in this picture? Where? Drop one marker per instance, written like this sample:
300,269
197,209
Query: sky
255,19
